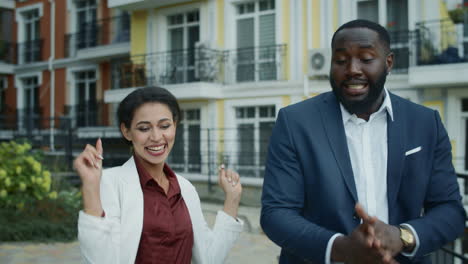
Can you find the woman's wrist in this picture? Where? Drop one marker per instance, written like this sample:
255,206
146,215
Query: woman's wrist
91,201
231,207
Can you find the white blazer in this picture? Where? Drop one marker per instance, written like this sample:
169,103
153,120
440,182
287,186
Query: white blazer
115,237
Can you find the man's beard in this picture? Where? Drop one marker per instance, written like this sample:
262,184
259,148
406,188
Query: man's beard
365,105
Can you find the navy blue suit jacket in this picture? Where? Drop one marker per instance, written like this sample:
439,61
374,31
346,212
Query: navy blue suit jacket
309,191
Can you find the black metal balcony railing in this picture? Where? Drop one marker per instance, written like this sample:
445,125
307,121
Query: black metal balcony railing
201,65
98,33
261,63
7,52
400,46
30,51
8,118
89,114
441,42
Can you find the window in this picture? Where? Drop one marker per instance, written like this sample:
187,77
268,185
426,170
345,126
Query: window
86,14
86,109
6,35
186,153
30,49
368,9
183,34
254,126
31,110
256,39
397,24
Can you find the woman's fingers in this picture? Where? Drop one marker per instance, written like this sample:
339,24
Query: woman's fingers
228,175
99,149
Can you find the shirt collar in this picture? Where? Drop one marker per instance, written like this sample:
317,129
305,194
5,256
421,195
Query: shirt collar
386,105
145,177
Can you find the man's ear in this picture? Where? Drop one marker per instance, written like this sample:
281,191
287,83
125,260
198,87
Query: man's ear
125,132
389,62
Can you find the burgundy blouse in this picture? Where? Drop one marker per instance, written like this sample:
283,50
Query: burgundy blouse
167,235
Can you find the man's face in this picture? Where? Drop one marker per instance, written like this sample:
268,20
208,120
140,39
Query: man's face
360,64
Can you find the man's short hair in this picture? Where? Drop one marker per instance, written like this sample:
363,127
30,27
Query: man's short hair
384,37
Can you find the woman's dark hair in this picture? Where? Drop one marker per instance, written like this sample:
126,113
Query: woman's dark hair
141,96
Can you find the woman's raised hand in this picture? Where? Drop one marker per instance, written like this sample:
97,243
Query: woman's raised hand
88,165
229,181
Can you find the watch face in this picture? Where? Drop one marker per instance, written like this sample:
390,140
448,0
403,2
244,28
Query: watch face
407,237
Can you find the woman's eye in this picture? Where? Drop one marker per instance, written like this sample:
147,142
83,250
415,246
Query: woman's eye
143,129
165,126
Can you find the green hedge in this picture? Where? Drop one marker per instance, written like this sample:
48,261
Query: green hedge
43,220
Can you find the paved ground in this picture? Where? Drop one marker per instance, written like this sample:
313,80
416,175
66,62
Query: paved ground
252,246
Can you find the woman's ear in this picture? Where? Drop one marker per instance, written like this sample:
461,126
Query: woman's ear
125,132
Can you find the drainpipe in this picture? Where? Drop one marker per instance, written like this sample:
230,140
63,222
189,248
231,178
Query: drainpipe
52,74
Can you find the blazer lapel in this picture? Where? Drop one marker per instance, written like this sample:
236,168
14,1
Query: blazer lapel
395,143
333,123
132,207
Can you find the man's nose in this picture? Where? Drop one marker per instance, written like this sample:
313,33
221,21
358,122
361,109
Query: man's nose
354,67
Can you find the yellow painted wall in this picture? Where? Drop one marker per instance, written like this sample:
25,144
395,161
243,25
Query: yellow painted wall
316,24
305,34
286,100
220,23
286,37
436,105
335,15
447,27
138,32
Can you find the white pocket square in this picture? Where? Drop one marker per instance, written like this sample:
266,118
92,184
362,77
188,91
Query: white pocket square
412,151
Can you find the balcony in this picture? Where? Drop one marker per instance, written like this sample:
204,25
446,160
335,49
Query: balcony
441,42
100,38
253,64
89,114
400,46
439,54
201,65
30,51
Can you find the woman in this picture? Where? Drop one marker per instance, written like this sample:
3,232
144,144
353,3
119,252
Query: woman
142,212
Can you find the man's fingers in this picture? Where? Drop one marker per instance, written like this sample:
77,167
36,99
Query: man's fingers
361,212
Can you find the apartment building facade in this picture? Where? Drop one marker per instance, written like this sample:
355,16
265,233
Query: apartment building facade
231,63
55,63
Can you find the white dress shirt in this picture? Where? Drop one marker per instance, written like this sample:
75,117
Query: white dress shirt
368,150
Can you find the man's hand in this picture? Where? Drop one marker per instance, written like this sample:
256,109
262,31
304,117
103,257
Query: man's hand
389,237
371,242
386,237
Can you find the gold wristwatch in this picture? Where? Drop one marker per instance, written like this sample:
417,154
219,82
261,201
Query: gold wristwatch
407,238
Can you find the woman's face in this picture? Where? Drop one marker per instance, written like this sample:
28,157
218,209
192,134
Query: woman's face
152,133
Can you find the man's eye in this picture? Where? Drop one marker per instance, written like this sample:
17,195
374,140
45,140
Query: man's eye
367,60
340,62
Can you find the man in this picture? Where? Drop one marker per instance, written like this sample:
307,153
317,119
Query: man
360,175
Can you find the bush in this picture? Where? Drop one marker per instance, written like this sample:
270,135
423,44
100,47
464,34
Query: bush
43,220
22,177
30,206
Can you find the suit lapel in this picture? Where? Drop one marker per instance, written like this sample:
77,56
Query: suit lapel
396,156
333,123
